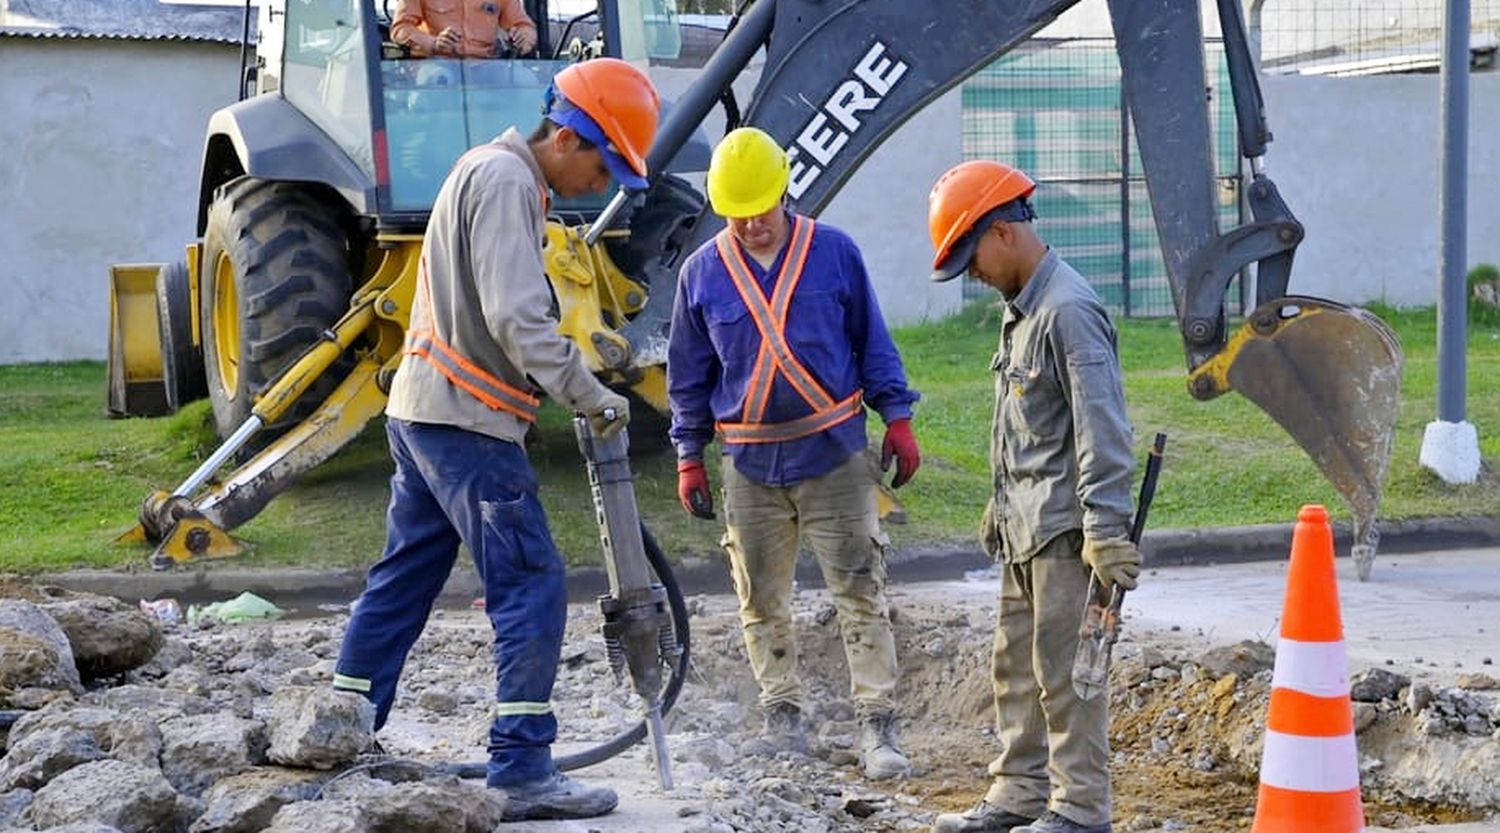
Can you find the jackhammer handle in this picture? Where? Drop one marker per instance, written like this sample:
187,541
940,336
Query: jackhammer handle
609,414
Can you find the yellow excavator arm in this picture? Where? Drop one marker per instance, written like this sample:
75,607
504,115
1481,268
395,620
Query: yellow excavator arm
192,521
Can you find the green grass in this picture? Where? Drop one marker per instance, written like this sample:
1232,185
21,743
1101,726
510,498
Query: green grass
70,480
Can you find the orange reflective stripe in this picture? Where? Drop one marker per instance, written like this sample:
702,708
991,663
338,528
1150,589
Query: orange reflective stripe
781,304
755,302
778,432
758,392
758,388
791,275
771,328
493,392
776,354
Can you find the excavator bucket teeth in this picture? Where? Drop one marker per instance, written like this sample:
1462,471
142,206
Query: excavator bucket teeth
1330,375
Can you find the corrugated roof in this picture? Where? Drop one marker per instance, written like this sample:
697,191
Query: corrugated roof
123,20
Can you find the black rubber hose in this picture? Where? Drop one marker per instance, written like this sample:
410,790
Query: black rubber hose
619,743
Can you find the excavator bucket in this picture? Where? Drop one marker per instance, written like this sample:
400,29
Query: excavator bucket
1330,375
136,386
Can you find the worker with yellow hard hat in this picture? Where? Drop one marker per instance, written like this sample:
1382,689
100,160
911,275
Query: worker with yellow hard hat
777,347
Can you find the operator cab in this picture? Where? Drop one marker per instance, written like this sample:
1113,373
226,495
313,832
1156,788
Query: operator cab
403,119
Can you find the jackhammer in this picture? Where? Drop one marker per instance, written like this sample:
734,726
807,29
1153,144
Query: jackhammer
645,622
638,632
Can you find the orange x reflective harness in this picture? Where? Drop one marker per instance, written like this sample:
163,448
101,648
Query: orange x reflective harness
425,343
775,357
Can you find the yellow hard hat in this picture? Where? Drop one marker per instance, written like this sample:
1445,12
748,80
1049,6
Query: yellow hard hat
748,174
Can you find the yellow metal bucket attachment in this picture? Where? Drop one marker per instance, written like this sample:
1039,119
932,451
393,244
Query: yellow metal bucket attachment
136,386
181,532
1330,375
194,538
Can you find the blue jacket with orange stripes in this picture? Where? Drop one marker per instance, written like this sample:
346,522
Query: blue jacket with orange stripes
834,327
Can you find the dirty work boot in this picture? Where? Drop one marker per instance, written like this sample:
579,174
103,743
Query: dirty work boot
557,797
879,751
783,729
1052,822
983,817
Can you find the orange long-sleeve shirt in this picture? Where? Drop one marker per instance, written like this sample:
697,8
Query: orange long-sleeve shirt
479,23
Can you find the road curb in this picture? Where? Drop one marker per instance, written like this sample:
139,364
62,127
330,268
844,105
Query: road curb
302,589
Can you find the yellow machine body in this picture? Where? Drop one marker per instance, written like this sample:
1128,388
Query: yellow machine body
594,297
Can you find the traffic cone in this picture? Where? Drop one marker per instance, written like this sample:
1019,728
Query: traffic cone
1309,769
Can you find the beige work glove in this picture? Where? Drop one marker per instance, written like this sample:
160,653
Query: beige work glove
1114,560
989,531
608,415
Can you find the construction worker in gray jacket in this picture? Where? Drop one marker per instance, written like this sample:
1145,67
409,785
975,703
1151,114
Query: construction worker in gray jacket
1060,451
482,335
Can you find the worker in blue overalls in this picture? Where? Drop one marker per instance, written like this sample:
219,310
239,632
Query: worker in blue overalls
483,344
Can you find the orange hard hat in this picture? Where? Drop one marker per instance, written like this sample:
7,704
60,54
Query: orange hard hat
622,104
959,200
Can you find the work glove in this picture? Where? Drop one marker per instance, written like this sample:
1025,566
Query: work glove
609,415
1114,560
901,444
989,532
692,489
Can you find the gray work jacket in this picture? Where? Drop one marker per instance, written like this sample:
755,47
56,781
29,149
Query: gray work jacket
490,297
1060,438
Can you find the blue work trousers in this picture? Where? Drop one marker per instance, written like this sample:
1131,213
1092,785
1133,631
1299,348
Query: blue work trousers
454,485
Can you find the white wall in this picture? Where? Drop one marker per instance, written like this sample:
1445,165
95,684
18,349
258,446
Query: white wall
1357,161
100,146
884,208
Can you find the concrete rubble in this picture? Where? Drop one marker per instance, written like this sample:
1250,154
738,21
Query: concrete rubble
235,729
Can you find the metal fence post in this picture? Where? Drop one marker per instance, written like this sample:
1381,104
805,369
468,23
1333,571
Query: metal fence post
1453,212
1450,444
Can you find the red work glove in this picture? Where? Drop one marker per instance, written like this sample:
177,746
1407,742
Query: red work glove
901,444
692,489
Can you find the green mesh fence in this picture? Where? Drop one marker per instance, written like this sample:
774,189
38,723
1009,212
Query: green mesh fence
1351,38
1054,108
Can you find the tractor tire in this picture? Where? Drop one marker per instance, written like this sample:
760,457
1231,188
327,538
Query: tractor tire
275,276
181,359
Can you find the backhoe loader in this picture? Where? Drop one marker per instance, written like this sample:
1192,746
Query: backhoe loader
314,194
